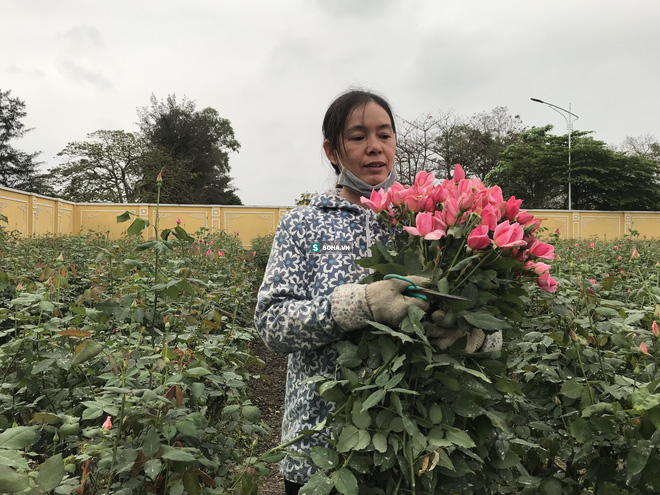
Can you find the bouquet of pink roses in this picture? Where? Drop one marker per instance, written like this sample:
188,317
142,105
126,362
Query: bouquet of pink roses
410,417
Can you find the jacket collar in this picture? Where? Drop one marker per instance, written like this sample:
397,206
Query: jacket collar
332,201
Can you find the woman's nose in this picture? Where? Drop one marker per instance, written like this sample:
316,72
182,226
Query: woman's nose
373,145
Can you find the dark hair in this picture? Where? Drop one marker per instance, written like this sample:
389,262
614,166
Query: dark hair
339,111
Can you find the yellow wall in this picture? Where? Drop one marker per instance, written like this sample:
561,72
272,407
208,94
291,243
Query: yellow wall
32,214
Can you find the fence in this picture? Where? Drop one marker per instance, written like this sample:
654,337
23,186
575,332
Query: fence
32,214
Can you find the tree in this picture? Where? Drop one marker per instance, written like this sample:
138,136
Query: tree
484,137
18,169
646,146
104,168
437,143
192,149
536,170
414,148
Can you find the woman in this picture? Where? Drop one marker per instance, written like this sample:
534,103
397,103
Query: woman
310,296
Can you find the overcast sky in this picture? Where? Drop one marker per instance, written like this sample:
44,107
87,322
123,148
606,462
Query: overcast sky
272,68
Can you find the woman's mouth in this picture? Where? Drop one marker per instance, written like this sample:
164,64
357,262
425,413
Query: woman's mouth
374,165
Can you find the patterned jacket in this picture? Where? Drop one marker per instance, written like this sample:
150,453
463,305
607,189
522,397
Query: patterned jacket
313,253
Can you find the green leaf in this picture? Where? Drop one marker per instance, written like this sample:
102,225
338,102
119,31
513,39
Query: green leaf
144,246
572,389
137,226
151,444
581,430
637,458
85,351
380,442
643,400
124,217
387,330
484,320
464,262
51,473
251,413
11,481
152,468
12,458
318,484
191,483
551,486
345,481
459,437
186,428
352,438
197,372
324,457
272,456
373,399
177,454
19,437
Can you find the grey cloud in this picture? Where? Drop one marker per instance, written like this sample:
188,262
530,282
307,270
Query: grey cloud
81,74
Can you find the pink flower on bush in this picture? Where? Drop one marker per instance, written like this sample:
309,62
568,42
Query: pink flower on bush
592,245
525,218
508,235
178,221
542,250
616,247
643,348
378,201
511,208
427,226
459,174
619,258
209,252
593,281
635,254
654,327
221,253
478,238
546,282
424,180
490,216
107,424
539,267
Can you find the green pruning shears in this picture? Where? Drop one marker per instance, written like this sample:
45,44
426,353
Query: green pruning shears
421,292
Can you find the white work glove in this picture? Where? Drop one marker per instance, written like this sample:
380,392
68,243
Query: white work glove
384,302
477,340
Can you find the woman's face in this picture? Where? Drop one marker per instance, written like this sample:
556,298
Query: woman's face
368,144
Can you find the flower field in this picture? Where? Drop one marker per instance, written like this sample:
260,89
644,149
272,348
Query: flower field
125,369
125,365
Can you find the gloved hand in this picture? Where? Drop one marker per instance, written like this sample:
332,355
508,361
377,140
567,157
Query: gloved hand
384,302
443,338
387,303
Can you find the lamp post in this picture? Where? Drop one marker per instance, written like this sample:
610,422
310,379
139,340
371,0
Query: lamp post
569,126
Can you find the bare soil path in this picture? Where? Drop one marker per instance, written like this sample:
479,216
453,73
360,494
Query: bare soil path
268,395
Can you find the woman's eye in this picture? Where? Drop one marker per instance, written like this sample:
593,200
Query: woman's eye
356,138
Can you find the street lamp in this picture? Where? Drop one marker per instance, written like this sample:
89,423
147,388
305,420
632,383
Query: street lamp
569,126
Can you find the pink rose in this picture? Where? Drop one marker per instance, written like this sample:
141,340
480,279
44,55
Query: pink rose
654,327
459,174
542,250
378,201
107,424
478,238
539,267
508,236
490,216
511,208
427,226
546,282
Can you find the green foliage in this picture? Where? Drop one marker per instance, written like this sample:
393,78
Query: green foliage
18,169
93,329
602,179
261,246
105,168
192,148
